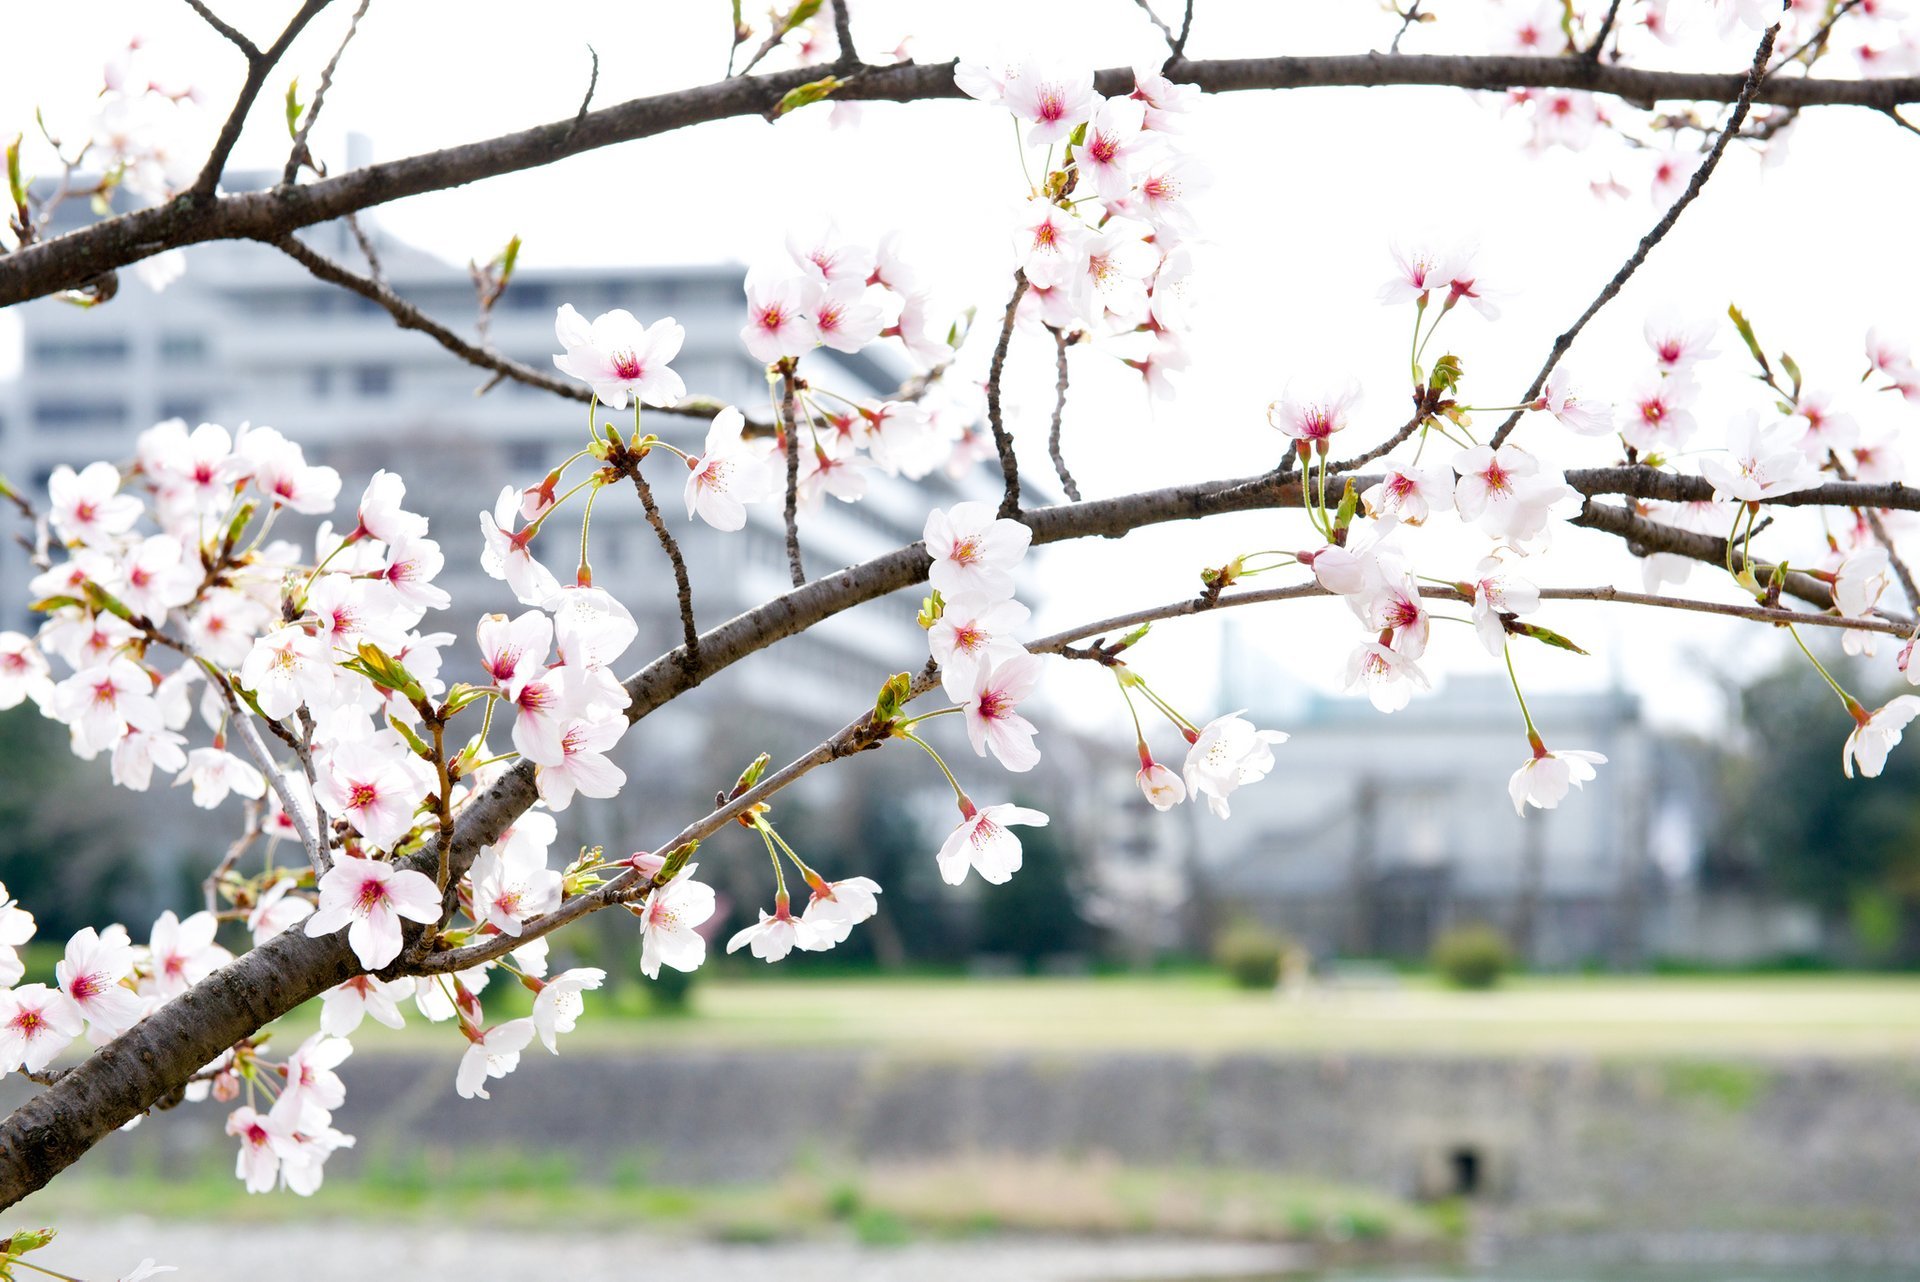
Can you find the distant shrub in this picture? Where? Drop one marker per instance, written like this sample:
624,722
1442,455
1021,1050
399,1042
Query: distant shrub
672,992
1472,956
1250,954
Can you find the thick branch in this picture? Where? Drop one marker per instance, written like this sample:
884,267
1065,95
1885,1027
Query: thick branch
790,440
66,262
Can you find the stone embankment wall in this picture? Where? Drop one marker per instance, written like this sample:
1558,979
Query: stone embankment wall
1547,1145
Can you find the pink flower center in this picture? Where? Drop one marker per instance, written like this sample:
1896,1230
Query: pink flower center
363,795
628,366
372,893
85,987
993,705
966,551
1052,106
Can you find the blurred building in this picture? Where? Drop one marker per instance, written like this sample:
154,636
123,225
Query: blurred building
1374,833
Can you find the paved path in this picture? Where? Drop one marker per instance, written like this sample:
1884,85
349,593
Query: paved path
343,1252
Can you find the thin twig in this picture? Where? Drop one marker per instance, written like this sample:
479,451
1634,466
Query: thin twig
260,64
374,271
1166,32
843,33
790,435
212,19
1818,39
1407,19
1385,447
1060,343
249,831
683,586
1002,441
1893,114
593,83
1593,51
1652,238
299,152
1186,31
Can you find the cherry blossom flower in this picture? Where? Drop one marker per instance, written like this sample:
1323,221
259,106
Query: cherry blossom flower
581,764
1225,754
494,1053
1055,99
1161,786
1389,677
726,474
99,703
1421,270
90,976
773,937
156,577
405,579
508,556
511,885
1874,736
843,476
215,772
87,507
276,910
139,751
1543,779
669,924
1113,270
844,319
286,668
313,1090
1395,607
264,1139
1660,421
993,718
973,551
619,357
369,898
836,262
182,953
1167,103
146,1269
557,1005
281,472
24,673
1410,494
1827,429
1861,579
984,843
1576,413
16,929
1113,140
1049,243
1313,420
1565,117
1765,462
380,515
836,907
375,785
342,1008
1497,593
779,316
36,1023
1679,343
1489,477
514,651
303,1165
972,632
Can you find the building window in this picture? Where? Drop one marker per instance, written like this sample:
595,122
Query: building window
373,380
58,416
527,455
183,349
79,351
190,411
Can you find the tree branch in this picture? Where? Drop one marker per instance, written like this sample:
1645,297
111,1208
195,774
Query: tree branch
66,262
1653,237
260,65
233,34
1002,441
1060,344
299,152
683,587
790,436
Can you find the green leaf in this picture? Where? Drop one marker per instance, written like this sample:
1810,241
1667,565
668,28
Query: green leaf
813,91
1546,636
751,775
461,696
15,184
932,607
508,257
740,31
25,1240
1134,637
414,741
1349,504
1447,372
802,12
294,108
1753,344
1793,372
385,670
892,698
676,860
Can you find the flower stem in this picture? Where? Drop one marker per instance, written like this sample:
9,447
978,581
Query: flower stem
958,791
1533,735
1851,703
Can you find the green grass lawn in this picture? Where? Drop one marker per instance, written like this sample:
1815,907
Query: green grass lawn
1847,1015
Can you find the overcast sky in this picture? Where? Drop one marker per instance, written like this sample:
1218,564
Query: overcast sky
1309,189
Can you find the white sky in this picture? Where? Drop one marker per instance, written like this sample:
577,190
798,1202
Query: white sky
1309,188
